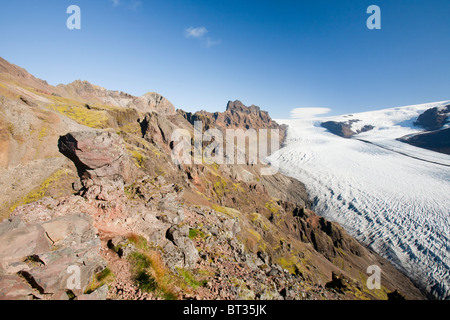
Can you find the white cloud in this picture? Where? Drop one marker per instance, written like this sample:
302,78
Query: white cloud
304,113
210,42
130,4
198,32
136,4
115,3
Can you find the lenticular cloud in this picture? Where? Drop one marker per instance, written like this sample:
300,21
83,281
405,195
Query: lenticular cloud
305,113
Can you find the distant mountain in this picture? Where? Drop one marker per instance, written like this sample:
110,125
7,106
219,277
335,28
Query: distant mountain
435,138
405,124
16,80
344,129
438,140
434,118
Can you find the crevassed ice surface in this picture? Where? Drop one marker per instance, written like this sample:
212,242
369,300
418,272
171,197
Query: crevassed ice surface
397,205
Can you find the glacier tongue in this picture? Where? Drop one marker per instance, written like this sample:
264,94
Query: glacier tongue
395,204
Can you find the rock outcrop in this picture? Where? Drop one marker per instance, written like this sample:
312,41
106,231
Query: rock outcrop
101,160
89,93
37,259
236,116
434,118
438,140
344,129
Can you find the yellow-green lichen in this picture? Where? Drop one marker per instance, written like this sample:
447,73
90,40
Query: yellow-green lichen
228,211
42,191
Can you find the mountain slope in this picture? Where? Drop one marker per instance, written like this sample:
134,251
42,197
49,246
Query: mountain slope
164,230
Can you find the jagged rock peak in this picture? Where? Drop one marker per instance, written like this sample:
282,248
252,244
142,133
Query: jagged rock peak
240,107
159,103
434,118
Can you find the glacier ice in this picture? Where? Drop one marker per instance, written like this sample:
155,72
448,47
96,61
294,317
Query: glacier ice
391,196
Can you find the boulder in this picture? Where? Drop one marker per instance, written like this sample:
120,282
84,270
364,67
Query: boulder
11,224
101,160
14,287
22,242
179,236
96,154
70,230
60,265
99,294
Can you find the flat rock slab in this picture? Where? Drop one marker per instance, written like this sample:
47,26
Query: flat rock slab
22,242
14,288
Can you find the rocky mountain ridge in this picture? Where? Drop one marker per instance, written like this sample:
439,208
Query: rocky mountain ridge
139,226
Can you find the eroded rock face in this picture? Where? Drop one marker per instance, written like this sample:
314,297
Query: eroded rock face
434,118
87,92
178,235
344,129
156,129
158,103
96,154
237,116
341,129
13,287
101,160
21,241
438,140
36,258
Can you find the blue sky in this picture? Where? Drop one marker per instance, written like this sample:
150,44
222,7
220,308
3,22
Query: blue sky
279,55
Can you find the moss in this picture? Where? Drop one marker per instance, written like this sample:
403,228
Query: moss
190,279
140,273
138,157
132,128
106,276
290,263
98,119
255,234
42,133
215,166
380,294
43,190
206,273
262,247
237,187
196,233
260,221
139,242
245,293
220,187
272,207
252,240
233,213
149,271
203,195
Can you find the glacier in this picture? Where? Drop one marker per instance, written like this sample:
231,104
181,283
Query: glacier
391,196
